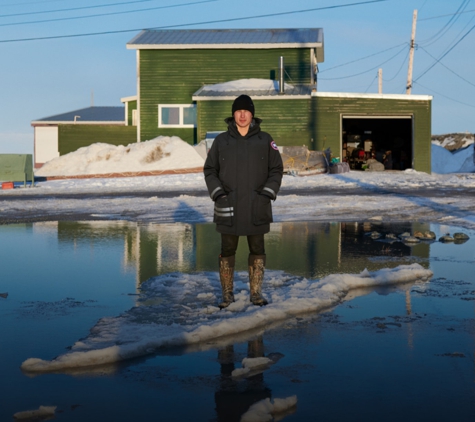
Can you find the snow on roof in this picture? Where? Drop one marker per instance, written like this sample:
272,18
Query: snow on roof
253,87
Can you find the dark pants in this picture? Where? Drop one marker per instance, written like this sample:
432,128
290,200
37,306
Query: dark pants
229,244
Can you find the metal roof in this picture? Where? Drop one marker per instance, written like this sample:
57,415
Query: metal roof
228,38
88,115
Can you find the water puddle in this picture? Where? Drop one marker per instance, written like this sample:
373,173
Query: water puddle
358,315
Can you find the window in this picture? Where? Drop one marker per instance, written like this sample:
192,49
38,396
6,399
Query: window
177,115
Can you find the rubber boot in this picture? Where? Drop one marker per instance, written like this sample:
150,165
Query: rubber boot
256,277
226,277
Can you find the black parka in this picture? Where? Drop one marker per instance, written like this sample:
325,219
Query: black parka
243,174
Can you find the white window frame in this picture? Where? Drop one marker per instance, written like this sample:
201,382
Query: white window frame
179,106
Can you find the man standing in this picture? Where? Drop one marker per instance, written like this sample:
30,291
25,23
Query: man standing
243,173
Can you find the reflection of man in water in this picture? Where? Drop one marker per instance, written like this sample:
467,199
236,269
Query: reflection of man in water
235,397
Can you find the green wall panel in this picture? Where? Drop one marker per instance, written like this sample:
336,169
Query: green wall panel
316,122
73,137
328,110
172,76
286,120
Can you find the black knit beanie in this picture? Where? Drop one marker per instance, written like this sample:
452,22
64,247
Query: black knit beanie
243,102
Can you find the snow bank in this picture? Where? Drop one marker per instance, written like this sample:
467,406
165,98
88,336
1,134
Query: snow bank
172,153
162,153
444,161
184,316
252,84
453,141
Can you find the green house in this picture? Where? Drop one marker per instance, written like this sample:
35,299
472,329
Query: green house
172,65
188,79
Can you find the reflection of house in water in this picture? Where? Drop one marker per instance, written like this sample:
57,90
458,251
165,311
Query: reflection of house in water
356,242
149,250
310,249
160,248
318,249
315,249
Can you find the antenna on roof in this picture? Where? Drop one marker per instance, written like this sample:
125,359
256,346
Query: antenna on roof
281,76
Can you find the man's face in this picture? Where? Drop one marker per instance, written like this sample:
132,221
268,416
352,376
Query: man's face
243,118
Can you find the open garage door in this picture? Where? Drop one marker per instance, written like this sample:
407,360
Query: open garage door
388,139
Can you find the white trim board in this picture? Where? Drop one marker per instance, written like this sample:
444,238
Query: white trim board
374,96
254,98
377,116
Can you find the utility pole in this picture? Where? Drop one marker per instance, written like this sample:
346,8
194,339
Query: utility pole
411,54
380,81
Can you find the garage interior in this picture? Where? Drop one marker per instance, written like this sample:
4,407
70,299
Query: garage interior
387,139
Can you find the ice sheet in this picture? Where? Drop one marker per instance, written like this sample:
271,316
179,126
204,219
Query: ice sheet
172,311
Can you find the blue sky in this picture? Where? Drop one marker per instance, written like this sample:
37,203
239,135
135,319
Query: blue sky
43,77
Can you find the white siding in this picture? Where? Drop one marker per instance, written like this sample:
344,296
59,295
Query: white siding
46,143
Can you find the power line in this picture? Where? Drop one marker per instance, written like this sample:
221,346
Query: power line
460,32
449,14
445,96
30,2
369,86
362,58
447,52
106,14
73,8
423,4
194,23
447,26
366,71
400,67
450,70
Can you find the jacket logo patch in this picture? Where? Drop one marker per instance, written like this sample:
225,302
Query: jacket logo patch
274,145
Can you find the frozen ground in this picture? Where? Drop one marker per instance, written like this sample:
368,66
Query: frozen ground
390,196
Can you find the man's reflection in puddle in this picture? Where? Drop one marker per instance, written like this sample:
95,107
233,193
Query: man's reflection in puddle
236,396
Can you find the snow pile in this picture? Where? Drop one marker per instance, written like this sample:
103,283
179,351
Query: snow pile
172,153
173,311
252,84
453,141
159,154
460,161
265,410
